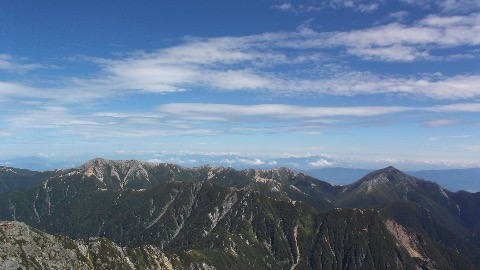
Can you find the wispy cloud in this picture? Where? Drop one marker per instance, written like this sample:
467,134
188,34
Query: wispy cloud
400,42
446,5
284,7
449,137
371,5
457,107
150,74
61,121
180,119
10,64
277,111
257,63
309,6
251,161
177,79
441,122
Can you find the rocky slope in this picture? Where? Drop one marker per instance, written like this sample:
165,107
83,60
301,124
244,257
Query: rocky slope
22,247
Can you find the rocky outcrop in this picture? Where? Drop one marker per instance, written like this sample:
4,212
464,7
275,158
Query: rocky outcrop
22,247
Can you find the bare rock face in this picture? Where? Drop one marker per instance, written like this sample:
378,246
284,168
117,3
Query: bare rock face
22,247
407,240
117,173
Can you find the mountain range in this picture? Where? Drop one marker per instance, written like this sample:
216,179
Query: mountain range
137,215
333,171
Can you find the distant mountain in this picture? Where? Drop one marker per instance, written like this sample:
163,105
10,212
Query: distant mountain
12,179
338,175
384,186
453,179
262,219
38,163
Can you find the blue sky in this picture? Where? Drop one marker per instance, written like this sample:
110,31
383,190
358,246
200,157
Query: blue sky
361,83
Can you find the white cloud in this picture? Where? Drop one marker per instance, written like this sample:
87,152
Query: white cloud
321,163
253,63
457,107
419,40
10,64
449,137
368,7
308,6
392,53
229,112
9,90
251,161
372,5
279,111
178,160
256,63
446,5
155,161
284,7
179,119
441,122
61,121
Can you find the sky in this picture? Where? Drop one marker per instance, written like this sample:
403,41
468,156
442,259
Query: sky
352,82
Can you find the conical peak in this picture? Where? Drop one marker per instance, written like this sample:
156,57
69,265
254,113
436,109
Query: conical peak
390,170
392,174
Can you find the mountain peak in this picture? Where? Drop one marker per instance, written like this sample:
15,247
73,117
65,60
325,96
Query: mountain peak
99,162
390,170
380,187
389,176
117,172
96,162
